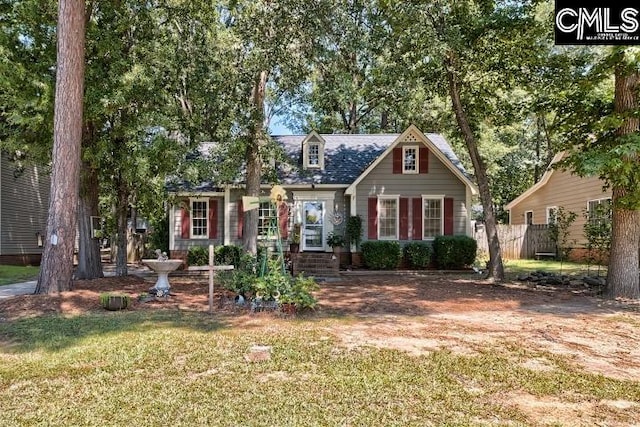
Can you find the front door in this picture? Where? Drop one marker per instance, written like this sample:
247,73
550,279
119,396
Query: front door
313,226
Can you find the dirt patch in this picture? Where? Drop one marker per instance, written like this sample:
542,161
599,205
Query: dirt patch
419,314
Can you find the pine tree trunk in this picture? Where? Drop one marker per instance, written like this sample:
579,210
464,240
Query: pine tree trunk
56,270
122,205
89,263
254,162
623,278
495,268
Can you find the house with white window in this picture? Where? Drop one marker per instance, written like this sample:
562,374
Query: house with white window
24,204
561,188
405,187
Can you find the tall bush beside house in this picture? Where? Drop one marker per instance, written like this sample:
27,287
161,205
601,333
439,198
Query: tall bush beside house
559,223
597,231
454,252
418,255
354,230
379,255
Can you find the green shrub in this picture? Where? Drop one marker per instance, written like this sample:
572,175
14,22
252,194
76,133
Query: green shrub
198,255
381,255
418,255
454,252
228,255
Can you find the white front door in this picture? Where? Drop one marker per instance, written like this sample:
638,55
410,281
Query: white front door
312,226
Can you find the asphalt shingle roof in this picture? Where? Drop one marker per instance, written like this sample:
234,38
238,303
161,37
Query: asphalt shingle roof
346,156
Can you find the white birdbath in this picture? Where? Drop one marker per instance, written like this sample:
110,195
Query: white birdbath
163,268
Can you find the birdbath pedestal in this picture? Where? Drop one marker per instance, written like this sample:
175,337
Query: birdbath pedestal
162,268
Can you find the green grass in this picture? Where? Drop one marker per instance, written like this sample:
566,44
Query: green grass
177,368
15,273
519,266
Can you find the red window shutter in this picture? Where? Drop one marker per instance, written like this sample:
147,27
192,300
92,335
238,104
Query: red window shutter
448,216
417,218
213,218
404,218
240,218
372,219
423,158
185,222
397,160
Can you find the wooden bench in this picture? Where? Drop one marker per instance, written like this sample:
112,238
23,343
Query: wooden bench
539,255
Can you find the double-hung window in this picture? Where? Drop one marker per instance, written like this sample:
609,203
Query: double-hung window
410,159
552,214
199,218
267,220
388,217
432,217
314,155
599,210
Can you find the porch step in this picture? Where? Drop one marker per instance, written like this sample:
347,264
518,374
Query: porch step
319,264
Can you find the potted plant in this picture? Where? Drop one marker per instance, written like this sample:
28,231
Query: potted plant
294,245
114,302
336,241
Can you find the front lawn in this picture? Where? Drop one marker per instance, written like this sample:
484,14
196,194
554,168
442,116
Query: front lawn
184,368
16,273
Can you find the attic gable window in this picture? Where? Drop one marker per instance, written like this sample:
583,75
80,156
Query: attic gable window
410,159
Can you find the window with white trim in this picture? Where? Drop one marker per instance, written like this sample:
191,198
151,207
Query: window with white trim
199,218
528,217
552,213
313,155
410,159
267,219
432,217
388,217
599,210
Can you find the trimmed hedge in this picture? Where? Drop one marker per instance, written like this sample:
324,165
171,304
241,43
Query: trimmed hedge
454,252
418,255
227,255
381,255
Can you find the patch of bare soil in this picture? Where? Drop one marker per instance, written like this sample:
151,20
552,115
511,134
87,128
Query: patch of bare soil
419,314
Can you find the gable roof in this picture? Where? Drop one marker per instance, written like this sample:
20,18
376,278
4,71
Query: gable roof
543,181
436,143
347,159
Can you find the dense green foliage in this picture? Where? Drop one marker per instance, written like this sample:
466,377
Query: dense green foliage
381,255
418,255
354,230
454,252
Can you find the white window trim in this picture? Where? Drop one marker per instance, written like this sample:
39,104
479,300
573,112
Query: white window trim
397,231
600,200
525,217
433,197
548,211
198,199
305,154
404,153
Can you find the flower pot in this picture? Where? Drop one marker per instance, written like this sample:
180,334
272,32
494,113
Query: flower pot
288,308
115,302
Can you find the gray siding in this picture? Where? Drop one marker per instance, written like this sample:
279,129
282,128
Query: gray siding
438,181
24,203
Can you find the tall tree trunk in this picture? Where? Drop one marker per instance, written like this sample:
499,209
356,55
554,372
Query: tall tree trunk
496,268
122,205
254,161
56,271
623,278
89,263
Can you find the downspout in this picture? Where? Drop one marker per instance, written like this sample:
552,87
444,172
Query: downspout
227,215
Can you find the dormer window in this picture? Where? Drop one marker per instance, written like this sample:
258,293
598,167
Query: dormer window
313,152
314,155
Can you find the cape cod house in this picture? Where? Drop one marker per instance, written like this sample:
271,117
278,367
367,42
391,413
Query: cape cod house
24,203
405,187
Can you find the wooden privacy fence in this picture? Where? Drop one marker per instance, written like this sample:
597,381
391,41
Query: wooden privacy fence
517,241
